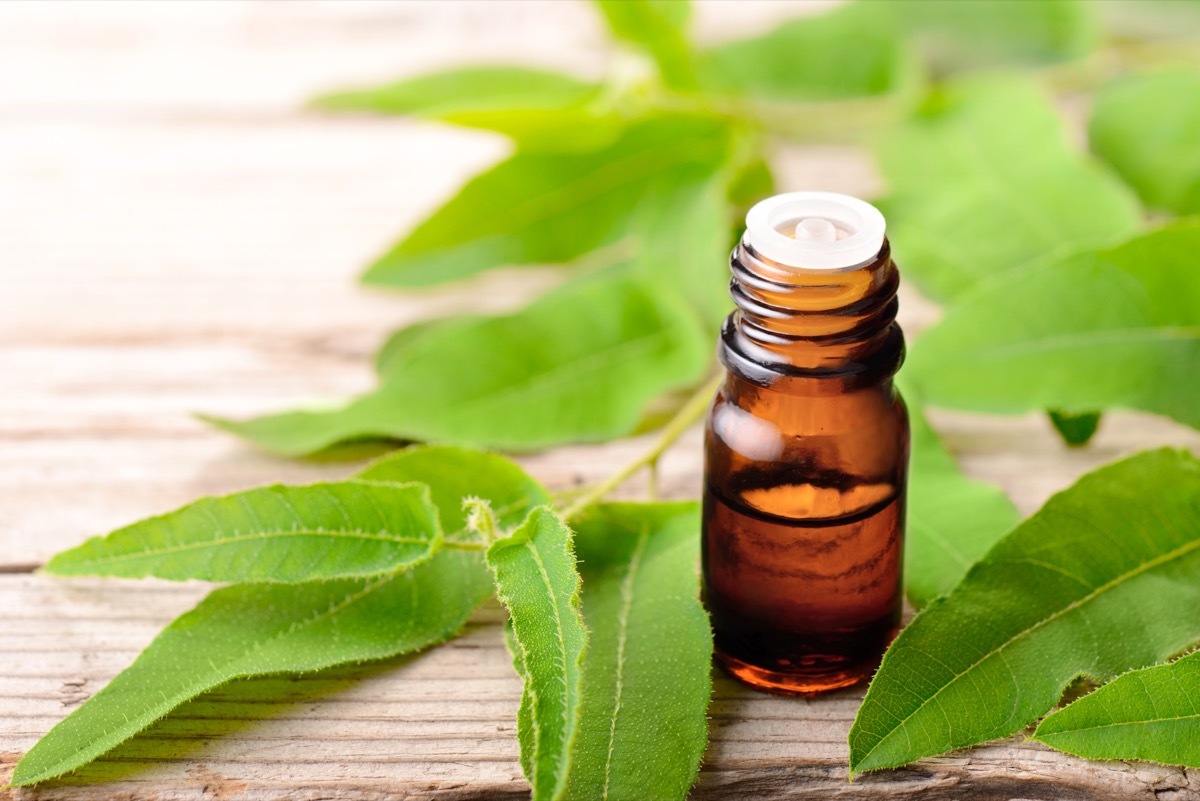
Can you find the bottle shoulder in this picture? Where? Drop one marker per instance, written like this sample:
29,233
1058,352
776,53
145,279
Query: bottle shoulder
744,359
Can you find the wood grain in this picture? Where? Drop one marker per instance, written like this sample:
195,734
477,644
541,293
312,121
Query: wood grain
439,725
178,235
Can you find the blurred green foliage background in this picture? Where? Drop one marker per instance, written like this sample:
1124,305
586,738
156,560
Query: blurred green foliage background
638,180
1040,160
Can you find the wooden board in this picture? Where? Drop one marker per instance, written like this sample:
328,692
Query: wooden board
440,725
176,236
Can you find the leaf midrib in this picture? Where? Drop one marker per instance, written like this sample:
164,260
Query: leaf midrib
627,582
562,643
1181,551
1193,716
238,538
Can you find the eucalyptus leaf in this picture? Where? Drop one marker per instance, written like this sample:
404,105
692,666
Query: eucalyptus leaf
465,90
1151,714
277,533
1104,578
983,180
682,241
537,580
525,726
659,27
538,108
850,51
751,181
542,207
646,673
952,520
1097,330
389,359
454,474
255,629
1148,128
578,365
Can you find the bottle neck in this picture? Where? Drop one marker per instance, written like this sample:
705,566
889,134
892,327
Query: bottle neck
795,326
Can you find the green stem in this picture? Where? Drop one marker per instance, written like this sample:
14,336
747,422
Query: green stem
1116,58
481,519
450,545
688,414
565,496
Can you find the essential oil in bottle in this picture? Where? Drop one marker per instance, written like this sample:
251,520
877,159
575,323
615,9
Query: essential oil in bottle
806,450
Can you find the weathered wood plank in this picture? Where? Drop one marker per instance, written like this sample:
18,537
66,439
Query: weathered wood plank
439,725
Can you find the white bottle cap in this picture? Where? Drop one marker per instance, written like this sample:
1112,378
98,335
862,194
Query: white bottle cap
815,230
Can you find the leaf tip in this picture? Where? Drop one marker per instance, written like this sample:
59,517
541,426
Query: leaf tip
53,565
387,271
24,776
1042,731
222,423
329,101
247,430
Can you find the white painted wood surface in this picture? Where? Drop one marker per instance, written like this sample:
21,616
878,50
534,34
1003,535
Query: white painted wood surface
178,235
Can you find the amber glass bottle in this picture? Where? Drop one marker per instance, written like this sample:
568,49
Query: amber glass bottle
807,450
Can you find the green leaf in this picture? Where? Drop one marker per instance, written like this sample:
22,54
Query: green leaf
547,110
1147,127
536,579
578,365
984,180
551,207
647,670
255,629
848,52
277,533
525,726
952,520
1104,578
658,27
466,90
682,241
640,584
455,474
750,182
389,359
1151,714
1076,428
683,235
982,33
1097,330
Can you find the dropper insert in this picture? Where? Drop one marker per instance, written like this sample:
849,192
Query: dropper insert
816,230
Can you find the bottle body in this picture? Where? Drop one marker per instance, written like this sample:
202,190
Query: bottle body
806,460
803,534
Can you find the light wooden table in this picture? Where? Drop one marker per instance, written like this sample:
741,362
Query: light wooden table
176,235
